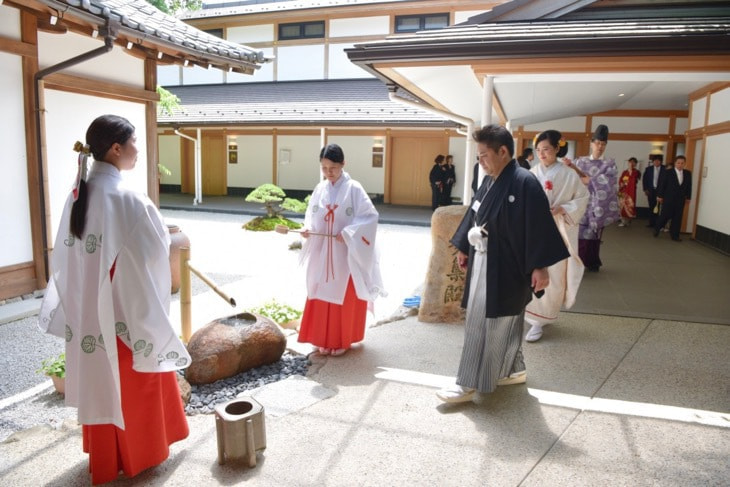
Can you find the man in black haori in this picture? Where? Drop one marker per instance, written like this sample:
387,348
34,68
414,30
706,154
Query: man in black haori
506,241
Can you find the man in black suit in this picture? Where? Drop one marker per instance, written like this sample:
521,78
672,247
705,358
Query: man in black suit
675,187
526,158
650,182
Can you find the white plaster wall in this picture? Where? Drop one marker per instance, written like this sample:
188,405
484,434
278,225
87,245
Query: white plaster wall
195,75
264,73
719,103
463,16
169,155
715,198
572,124
68,115
340,65
169,75
16,241
115,65
697,113
359,160
681,125
254,166
360,26
302,171
10,22
633,125
300,62
247,34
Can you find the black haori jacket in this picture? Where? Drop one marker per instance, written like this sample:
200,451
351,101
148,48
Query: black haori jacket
522,237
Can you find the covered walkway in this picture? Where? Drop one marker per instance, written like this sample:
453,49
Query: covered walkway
642,276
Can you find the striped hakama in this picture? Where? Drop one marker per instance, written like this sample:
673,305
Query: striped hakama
492,346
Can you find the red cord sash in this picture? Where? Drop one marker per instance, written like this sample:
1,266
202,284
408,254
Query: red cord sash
329,218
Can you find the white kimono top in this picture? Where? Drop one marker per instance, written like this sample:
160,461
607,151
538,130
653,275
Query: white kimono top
564,188
343,207
84,306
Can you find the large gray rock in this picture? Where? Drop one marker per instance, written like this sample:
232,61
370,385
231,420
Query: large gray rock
229,346
444,285
185,389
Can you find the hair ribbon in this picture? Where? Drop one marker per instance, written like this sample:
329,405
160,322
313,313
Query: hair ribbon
84,150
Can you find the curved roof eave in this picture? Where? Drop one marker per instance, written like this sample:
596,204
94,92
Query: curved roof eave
140,22
551,39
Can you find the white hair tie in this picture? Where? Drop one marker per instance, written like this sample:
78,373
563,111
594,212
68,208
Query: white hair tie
84,150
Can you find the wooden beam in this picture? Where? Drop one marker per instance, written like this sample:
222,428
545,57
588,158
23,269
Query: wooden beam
20,48
676,63
709,89
92,87
643,113
18,279
714,129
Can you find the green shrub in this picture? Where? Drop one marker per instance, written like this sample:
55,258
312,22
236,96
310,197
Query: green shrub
54,366
280,313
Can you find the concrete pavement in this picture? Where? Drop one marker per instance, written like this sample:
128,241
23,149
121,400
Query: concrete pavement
608,401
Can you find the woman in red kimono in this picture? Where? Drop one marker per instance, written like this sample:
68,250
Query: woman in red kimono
627,193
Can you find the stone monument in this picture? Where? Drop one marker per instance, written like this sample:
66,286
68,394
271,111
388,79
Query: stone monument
444,285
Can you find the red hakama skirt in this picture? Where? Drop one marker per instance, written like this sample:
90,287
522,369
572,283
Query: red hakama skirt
154,418
334,326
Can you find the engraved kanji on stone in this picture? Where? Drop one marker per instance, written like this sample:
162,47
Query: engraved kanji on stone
453,293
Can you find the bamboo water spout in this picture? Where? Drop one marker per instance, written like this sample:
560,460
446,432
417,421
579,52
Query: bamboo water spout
186,292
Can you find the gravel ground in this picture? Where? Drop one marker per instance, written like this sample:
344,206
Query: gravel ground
258,265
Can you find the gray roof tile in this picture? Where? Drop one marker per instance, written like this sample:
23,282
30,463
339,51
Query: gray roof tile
362,102
139,18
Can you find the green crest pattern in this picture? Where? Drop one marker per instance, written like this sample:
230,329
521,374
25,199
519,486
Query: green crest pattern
69,333
141,346
92,243
89,343
121,329
70,240
172,356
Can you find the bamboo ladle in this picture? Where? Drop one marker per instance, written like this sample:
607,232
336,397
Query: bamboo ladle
283,229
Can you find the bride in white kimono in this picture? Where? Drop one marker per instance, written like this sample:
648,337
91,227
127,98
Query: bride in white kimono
568,198
343,271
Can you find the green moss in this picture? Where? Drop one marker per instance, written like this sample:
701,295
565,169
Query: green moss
266,224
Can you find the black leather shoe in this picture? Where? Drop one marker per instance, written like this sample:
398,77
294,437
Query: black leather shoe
677,239
656,233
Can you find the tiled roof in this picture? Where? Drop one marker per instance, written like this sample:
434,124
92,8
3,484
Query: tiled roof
361,102
553,38
234,8
139,21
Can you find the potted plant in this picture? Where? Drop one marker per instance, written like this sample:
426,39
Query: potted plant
55,368
283,314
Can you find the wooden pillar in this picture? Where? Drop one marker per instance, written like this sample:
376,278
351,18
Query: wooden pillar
37,189
150,84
